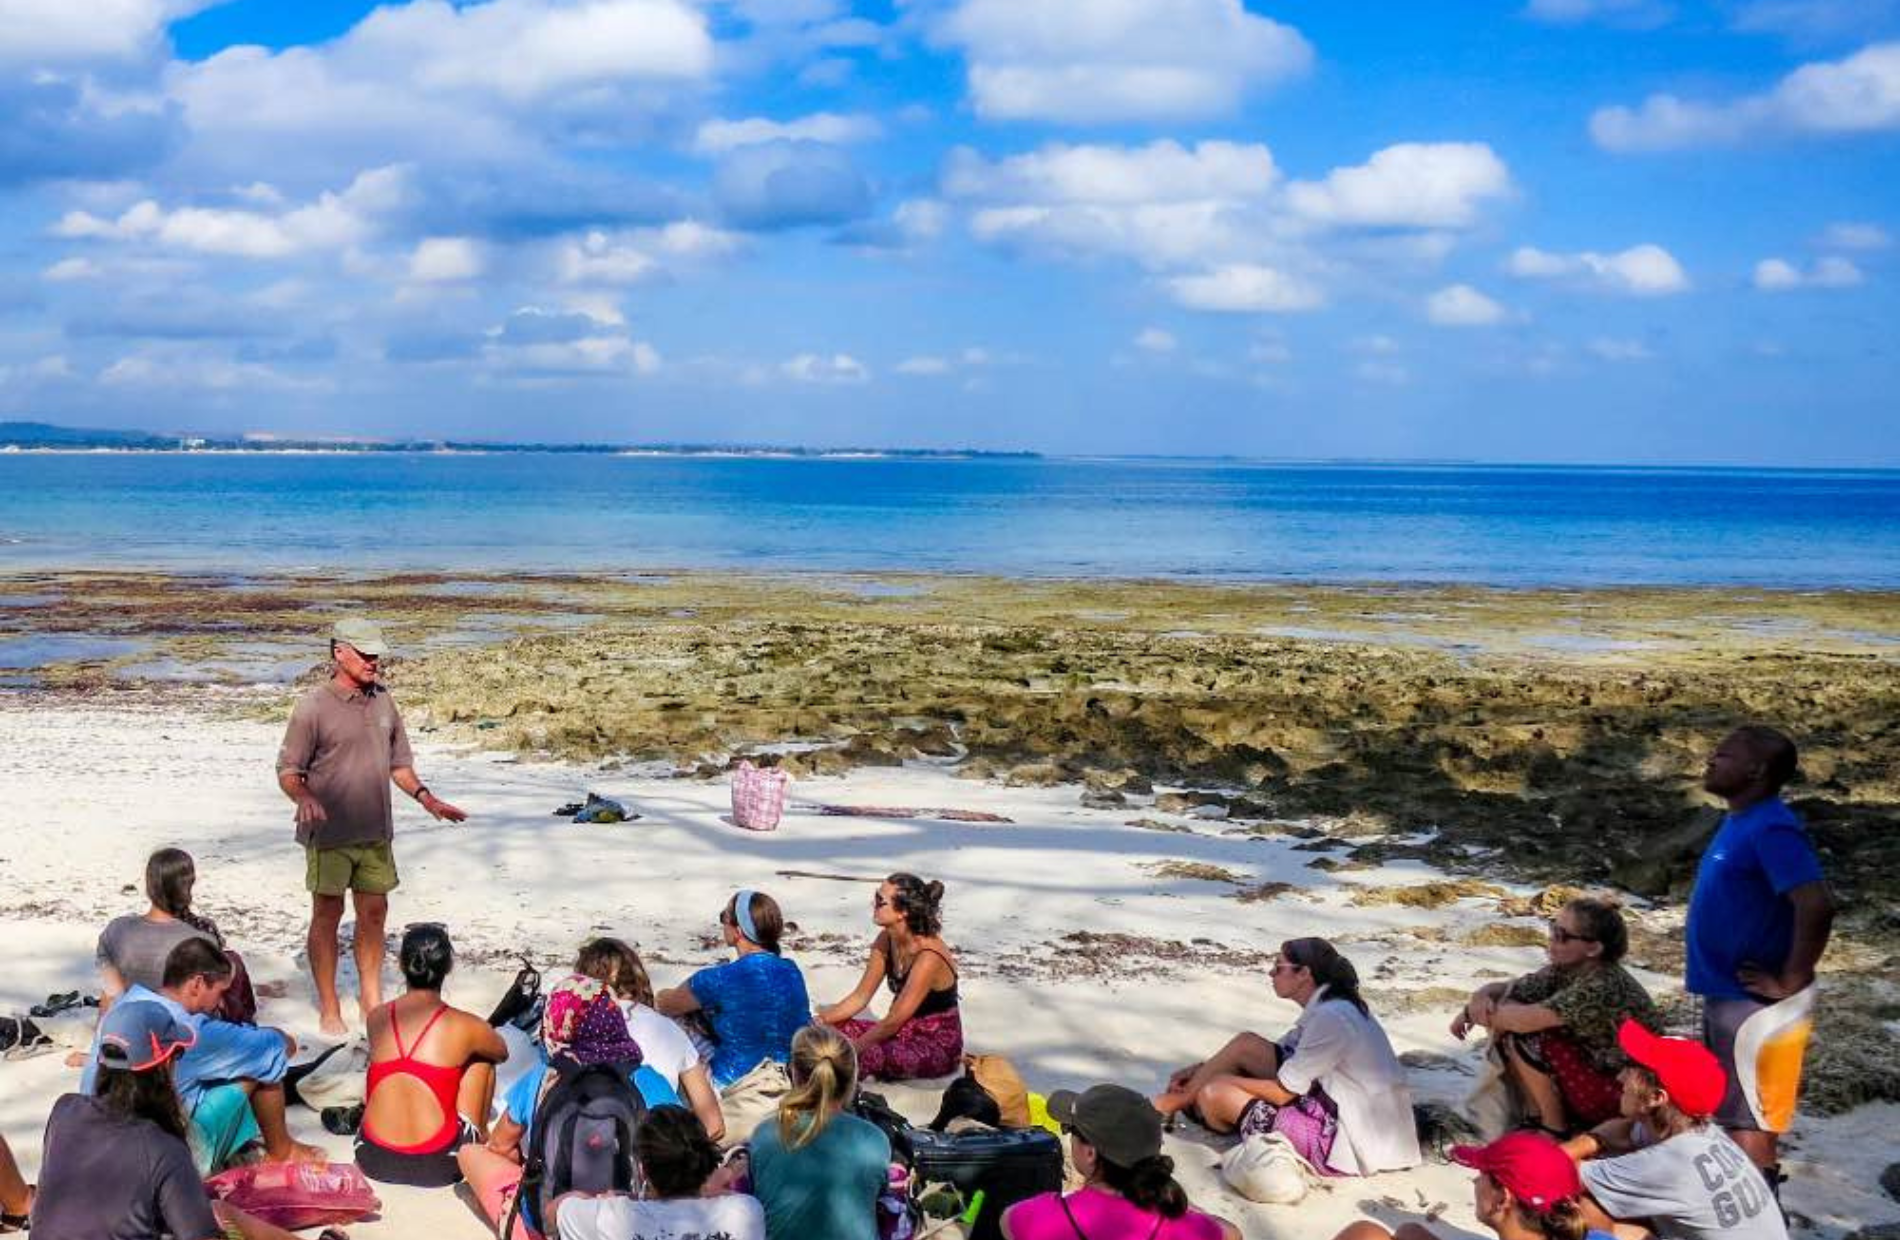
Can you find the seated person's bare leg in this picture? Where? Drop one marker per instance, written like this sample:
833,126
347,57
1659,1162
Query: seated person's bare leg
1537,1087
249,1226
267,1104
477,1096
1223,1100
1246,1054
15,1197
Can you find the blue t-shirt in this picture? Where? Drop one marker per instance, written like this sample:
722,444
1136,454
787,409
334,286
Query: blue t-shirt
828,1188
1740,913
223,1052
755,1004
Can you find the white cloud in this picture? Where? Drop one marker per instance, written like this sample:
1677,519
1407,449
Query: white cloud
839,368
1163,171
42,32
73,269
718,136
443,260
334,221
605,354
193,371
1640,271
1460,305
1411,185
633,255
1612,350
1776,275
1637,13
1857,94
1246,288
925,366
485,85
530,49
692,239
599,259
1155,340
1852,235
1162,205
1100,61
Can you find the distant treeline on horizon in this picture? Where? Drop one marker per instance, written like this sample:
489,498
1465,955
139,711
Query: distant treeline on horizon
26,436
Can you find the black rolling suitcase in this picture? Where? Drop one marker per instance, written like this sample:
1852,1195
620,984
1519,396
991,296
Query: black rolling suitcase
1007,1165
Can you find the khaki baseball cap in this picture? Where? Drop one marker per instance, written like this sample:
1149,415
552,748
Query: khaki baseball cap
362,636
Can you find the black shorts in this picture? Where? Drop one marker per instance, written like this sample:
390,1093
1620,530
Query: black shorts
437,1169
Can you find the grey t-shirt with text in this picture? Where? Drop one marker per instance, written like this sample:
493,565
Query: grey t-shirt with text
1698,1185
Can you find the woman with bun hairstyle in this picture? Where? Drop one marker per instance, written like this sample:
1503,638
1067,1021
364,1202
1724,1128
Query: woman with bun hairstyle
1527,1189
677,1159
1331,1085
1128,1191
921,1034
816,1168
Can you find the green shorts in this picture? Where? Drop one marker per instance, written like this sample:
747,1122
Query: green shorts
367,868
221,1125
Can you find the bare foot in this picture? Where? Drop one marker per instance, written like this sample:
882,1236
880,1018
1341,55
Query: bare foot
332,1026
1168,1104
76,1059
299,1153
271,990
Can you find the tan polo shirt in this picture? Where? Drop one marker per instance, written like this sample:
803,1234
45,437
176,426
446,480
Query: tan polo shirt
345,744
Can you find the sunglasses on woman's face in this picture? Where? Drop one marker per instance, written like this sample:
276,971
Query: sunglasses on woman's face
1560,935
878,901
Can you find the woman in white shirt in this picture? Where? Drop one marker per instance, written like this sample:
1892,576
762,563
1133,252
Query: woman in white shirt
1331,1086
664,1046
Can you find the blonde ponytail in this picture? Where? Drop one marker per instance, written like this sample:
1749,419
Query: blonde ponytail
824,1071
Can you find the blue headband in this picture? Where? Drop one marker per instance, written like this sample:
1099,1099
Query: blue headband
742,913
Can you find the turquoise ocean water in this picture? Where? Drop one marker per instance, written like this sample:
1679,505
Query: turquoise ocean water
1514,526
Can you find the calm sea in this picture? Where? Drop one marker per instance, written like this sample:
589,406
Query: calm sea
1503,526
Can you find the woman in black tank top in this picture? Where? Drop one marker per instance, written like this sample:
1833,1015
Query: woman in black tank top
921,1034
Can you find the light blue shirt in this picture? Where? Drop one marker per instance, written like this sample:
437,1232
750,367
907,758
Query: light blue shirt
224,1052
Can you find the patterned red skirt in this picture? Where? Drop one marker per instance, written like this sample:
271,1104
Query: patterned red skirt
926,1046
1590,1094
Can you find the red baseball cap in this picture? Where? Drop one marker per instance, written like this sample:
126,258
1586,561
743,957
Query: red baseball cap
1530,1164
1688,1070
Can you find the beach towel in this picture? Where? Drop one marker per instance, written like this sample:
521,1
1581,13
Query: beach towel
758,796
907,811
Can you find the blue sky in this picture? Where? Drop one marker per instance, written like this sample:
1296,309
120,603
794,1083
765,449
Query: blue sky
1547,230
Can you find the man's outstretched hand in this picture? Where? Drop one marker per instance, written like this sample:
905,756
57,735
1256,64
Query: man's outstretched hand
441,810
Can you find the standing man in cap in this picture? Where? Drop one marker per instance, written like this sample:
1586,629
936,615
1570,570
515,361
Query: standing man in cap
344,747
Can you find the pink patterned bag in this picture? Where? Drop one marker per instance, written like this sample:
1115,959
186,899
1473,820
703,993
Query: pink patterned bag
297,1195
758,796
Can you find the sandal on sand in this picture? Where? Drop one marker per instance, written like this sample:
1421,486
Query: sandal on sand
19,1222
55,1004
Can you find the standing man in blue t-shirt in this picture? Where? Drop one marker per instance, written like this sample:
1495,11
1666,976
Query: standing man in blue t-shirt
1758,922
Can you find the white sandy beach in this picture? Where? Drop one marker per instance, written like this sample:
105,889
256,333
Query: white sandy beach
90,791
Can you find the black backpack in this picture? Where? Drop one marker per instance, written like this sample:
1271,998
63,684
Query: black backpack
581,1138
